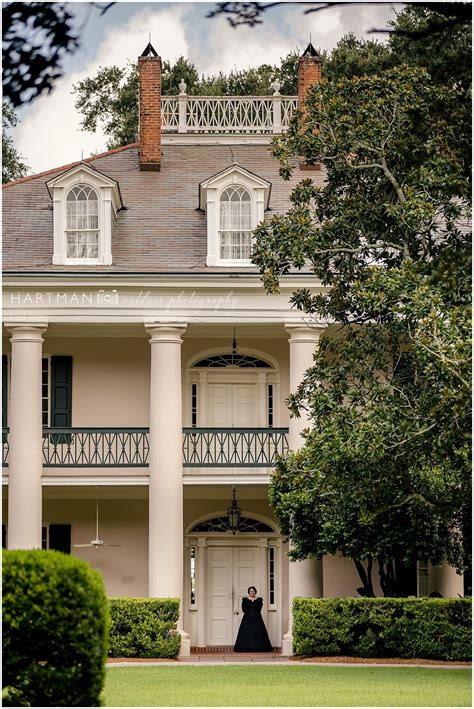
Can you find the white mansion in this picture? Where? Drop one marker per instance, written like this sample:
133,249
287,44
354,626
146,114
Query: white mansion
145,368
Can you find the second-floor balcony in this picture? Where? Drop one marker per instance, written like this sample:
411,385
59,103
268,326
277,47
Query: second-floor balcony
254,115
130,447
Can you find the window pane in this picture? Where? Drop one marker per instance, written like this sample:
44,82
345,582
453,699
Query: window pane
82,223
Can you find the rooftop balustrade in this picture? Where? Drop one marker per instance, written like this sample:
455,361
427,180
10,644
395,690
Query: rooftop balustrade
254,115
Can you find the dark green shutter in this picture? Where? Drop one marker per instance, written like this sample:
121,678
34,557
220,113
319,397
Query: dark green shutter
60,537
61,392
4,391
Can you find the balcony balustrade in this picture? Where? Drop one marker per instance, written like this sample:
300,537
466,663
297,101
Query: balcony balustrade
233,447
129,447
227,114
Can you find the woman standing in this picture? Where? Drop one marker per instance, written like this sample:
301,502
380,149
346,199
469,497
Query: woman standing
252,635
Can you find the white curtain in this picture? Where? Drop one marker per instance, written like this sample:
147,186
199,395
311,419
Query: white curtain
235,225
82,223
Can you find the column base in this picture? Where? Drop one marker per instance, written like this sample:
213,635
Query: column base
185,649
287,645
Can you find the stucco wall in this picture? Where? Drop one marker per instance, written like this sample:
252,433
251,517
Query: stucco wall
111,375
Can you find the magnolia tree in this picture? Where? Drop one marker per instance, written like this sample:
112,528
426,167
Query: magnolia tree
384,472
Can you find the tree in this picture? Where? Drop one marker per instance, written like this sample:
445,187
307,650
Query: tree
384,471
13,166
447,15
110,98
36,37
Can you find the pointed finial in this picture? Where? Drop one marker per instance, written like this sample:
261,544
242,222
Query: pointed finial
149,51
310,51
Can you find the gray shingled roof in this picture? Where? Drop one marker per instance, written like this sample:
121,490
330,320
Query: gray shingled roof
161,229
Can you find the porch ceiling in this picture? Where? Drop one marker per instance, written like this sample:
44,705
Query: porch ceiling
140,492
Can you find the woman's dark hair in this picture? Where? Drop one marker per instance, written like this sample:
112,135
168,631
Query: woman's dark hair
250,587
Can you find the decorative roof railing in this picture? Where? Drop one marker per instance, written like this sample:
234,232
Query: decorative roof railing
255,115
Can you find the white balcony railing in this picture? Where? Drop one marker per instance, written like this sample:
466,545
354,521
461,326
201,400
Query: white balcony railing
255,115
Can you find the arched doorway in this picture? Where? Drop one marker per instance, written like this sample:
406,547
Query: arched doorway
232,390
219,568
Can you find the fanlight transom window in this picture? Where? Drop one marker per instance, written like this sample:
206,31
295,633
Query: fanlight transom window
221,524
82,225
235,224
233,360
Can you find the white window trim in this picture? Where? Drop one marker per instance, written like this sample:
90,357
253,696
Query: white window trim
109,203
210,193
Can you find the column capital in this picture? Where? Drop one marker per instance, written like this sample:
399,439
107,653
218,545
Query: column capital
26,331
166,332
305,333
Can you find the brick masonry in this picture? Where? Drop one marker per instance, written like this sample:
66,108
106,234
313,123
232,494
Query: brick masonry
309,73
149,70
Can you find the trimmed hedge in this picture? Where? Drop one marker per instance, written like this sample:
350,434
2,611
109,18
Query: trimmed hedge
144,627
438,628
55,629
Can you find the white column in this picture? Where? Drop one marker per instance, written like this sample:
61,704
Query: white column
446,581
305,578
26,441
201,597
166,553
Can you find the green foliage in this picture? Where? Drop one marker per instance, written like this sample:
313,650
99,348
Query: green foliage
377,627
445,54
55,629
385,471
356,57
13,166
144,627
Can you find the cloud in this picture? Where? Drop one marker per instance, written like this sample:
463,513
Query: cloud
49,134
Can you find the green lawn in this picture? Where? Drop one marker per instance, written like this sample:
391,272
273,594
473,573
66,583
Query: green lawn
283,685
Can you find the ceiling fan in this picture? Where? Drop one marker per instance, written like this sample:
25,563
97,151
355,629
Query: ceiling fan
96,543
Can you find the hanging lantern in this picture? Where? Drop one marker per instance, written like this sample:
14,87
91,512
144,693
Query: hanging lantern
233,514
234,347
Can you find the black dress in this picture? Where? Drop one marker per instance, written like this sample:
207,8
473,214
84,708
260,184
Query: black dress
252,635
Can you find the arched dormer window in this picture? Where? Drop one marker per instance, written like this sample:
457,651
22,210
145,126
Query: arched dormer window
235,201
85,207
235,223
82,223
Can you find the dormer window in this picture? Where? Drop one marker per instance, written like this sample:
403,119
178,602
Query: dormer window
82,227
235,201
235,223
85,207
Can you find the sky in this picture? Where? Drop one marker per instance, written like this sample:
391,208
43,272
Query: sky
49,132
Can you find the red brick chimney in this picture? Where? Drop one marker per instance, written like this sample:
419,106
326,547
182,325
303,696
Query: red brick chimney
309,72
149,124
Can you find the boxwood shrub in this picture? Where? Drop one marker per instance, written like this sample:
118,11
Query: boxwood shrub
437,628
55,628
144,627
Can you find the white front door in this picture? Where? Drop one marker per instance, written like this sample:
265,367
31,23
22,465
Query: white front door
232,405
231,570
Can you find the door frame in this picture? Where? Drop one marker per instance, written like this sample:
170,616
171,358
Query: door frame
232,375
196,615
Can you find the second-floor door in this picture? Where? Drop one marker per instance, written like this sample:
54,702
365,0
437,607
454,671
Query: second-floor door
232,405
